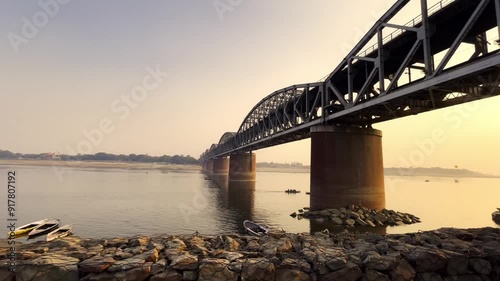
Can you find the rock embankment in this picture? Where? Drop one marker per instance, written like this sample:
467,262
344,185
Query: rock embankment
359,216
440,255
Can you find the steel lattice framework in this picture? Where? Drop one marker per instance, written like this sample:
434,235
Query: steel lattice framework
395,77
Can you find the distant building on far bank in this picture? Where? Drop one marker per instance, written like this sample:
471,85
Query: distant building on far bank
50,156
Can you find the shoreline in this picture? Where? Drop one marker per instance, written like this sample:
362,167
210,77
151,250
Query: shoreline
442,254
100,165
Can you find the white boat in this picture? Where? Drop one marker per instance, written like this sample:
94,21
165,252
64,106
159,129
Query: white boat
60,232
28,227
44,228
254,228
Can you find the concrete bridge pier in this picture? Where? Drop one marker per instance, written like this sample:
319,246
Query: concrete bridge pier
209,167
346,167
220,170
220,166
204,167
242,167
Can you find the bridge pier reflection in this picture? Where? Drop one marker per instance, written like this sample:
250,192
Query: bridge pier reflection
346,167
237,197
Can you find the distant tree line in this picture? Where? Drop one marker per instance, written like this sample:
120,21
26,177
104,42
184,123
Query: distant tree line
102,156
281,165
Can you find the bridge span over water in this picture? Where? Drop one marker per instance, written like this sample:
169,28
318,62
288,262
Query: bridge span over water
394,71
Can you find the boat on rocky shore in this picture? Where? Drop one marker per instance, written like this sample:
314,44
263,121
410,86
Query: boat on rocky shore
254,228
28,227
44,228
60,232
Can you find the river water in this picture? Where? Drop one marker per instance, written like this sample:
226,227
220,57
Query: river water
114,202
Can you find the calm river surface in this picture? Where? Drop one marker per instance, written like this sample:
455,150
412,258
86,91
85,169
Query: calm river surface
113,202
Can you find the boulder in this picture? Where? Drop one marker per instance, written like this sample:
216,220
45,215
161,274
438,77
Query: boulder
185,262
216,270
139,241
480,266
121,255
334,259
373,275
403,272
117,242
287,274
296,264
150,256
176,244
378,262
159,267
253,246
49,268
88,243
126,264
351,272
230,256
350,222
427,260
140,273
189,275
231,245
168,275
96,264
284,245
457,266
258,269
337,220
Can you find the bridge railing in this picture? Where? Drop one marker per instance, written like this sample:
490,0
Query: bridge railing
391,36
415,21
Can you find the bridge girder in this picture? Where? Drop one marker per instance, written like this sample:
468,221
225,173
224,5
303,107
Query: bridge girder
376,83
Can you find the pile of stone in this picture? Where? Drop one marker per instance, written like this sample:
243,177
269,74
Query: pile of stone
445,254
355,215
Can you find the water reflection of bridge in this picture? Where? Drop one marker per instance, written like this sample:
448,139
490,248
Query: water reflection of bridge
238,198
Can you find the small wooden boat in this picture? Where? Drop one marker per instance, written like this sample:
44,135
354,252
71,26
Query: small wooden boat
28,227
60,232
293,191
255,228
44,228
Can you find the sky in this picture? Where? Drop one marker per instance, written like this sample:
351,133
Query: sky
171,77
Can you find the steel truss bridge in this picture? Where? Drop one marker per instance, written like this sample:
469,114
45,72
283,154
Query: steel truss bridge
393,72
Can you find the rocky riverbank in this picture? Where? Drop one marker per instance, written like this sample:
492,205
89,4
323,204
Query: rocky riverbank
358,215
444,254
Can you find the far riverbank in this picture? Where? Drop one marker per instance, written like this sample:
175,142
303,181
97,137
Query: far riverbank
101,165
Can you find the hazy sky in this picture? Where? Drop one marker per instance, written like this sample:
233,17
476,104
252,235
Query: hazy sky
170,77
